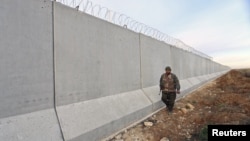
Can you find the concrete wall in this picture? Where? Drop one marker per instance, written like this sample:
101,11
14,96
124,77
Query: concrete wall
26,71
93,59
97,66
26,57
66,75
191,69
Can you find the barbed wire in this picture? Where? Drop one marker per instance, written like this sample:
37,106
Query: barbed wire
104,13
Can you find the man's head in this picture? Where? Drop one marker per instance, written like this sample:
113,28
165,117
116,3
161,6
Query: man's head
168,70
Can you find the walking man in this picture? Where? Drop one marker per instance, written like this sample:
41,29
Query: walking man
170,86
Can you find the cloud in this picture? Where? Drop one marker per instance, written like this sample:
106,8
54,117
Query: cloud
234,58
151,13
217,28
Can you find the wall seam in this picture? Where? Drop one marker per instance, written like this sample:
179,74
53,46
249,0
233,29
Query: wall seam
54,67
140,60
141,80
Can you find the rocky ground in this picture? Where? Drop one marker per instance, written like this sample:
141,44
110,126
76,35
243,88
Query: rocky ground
225,100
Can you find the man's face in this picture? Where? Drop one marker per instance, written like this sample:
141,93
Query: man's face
168,71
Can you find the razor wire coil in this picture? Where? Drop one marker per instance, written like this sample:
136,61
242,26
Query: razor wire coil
106,14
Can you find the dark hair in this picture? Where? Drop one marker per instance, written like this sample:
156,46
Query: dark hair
168,68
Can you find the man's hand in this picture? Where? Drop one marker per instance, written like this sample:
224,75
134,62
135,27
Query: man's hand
161,87
178,92
160,92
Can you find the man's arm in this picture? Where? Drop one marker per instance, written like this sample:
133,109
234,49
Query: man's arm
177,84
161,85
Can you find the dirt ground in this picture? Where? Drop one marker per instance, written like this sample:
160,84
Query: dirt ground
225,100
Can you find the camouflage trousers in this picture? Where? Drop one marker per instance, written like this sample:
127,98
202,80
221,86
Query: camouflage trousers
169,99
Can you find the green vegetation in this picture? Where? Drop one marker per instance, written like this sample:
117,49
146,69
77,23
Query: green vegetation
203,135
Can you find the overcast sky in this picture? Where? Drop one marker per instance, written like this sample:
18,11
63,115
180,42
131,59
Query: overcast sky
218,28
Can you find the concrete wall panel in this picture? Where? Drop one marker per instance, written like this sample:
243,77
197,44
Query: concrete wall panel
185,66
98,118
93,57
26,57
176,61
41,125
154,95
26,72
95,62
189,65
155,56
